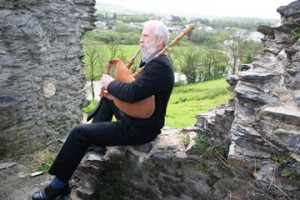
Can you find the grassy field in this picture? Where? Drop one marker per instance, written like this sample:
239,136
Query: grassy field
189,100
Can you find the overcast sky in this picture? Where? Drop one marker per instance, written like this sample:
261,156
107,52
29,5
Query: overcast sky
232,8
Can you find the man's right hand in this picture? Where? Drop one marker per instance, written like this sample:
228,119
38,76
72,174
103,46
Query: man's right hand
107,95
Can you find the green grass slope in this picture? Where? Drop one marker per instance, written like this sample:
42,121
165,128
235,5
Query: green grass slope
189,100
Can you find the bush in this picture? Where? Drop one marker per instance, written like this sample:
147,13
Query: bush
91,106
296,33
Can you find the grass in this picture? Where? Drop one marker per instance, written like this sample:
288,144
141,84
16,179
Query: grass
189,100
42,160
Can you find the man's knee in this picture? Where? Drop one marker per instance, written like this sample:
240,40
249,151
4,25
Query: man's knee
78,133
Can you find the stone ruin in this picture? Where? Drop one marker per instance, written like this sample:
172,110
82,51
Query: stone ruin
41,77
246,149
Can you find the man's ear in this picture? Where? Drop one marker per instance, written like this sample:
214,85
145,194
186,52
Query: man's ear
160,41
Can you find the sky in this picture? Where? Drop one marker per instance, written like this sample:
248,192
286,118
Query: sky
265,9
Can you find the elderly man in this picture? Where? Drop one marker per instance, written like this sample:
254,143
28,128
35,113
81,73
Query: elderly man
157,78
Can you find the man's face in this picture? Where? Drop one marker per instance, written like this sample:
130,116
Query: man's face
148,41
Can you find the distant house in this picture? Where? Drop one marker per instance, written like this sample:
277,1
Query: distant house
175,29
135,24
208,29
101,24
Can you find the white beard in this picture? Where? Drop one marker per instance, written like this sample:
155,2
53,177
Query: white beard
149,51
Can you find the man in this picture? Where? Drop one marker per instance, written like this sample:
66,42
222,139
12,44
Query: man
156,79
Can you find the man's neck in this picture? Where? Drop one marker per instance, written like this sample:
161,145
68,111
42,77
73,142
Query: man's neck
149,58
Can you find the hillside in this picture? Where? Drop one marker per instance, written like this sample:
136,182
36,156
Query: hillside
189,100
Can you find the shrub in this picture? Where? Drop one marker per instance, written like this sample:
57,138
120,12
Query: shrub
296,33
91,106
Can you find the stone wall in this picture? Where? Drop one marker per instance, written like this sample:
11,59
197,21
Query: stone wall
267,117
265,133
41,77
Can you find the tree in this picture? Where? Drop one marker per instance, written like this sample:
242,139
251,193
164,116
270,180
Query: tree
175,19
253,49
236,46
100,17
219,63
113,48
115,16
92,57
189,63
123,28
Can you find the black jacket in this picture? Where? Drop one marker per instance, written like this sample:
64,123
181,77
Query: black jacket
157,78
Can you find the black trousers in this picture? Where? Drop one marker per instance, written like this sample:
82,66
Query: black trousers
101,132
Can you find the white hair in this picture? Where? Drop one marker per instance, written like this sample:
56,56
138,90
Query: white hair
160,30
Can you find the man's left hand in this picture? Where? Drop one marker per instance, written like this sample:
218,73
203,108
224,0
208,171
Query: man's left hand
105,80
108,95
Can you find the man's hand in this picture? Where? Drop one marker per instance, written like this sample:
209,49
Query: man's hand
105,81
108,95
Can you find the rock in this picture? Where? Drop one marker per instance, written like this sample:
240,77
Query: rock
38,173
7,165
266,30
285,114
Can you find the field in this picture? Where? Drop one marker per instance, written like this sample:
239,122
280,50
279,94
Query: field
189,100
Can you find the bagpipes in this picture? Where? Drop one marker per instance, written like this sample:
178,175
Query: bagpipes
144,108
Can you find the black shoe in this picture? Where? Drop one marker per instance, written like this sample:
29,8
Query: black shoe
48,193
